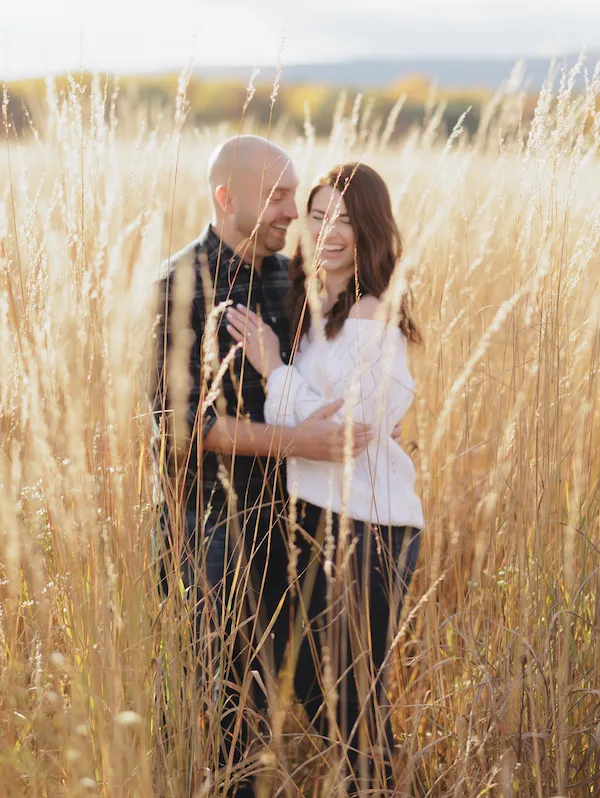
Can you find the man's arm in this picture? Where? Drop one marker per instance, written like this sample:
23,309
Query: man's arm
317,438
190,322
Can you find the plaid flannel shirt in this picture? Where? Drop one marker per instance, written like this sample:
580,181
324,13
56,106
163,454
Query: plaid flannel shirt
255,479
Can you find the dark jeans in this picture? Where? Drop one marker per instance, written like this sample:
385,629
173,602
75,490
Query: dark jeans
225,597
347,625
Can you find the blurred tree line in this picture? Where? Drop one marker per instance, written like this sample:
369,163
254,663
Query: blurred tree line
296,106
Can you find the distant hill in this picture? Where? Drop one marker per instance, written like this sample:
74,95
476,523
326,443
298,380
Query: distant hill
489,73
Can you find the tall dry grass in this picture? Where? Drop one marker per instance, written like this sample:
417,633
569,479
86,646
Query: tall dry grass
497,683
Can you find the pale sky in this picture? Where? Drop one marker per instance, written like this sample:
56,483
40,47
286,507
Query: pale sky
38,37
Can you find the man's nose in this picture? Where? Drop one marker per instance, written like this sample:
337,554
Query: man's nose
292,209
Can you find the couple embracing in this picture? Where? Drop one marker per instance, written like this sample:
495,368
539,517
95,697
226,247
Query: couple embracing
292,475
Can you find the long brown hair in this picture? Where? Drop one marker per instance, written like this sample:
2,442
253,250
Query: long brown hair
378,248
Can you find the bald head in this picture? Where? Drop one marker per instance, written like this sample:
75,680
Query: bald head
253,186
241,154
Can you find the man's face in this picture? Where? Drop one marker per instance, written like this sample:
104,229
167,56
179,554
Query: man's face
267,199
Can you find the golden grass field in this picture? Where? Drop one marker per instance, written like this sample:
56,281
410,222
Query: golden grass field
497,678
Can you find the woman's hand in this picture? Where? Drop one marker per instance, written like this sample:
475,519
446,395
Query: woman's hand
261,344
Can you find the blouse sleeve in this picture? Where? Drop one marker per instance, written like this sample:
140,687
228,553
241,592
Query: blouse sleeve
290,398
369,371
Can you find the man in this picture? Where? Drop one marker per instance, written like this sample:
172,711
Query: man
227,482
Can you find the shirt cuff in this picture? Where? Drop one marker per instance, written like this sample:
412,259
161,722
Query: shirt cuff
209,420
277,379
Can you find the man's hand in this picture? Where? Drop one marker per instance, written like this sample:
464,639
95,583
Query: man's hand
317,438
397,432
320,438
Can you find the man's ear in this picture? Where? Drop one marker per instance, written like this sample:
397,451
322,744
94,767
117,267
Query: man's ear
224,200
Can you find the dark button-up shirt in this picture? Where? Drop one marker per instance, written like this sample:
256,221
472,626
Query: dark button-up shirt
255,479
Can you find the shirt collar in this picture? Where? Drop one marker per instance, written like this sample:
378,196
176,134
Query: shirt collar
219,252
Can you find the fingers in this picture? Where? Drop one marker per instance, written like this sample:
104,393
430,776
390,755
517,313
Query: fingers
360,441
235,333
241,328
249,324
360,438
235,324
244,316
238,332
240,321
328,410
247,312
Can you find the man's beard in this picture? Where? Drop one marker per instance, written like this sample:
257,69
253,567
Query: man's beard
245,226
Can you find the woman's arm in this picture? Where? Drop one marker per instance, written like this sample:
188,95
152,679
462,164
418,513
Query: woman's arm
370,364
370,373
290,398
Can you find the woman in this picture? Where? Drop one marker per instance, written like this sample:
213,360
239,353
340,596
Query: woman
361,520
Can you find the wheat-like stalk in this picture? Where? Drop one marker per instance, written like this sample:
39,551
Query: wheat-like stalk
494,661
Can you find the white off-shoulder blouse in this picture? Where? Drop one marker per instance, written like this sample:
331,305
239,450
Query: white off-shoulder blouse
366,365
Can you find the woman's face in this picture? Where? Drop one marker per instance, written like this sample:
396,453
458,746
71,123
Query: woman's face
337,244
